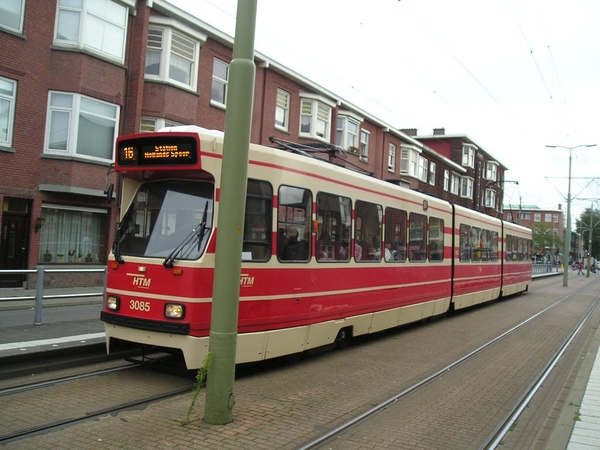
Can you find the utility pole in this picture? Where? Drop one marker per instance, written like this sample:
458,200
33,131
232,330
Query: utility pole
230,225
567,246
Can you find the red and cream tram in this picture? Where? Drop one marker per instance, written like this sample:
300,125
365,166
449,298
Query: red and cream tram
328,253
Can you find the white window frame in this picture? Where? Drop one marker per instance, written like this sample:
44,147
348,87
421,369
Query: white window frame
92,25
392,157
466,187
73,114
537,217
432,169
409,157
446,180
315,113
222,83
548,217
282,110
422,164
348,131
468,155
491,172
170,28
490,198
152,124
364,145
455,184
9,98
7,8
555,217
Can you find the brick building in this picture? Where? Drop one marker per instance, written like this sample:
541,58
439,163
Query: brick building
73,78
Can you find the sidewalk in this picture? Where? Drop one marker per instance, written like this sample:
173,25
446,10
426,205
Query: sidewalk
69,318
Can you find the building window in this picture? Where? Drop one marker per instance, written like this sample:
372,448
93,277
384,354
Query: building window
537,217
171,57
446,180
392,157
347,132
555,218
422,169
468,155
11,15
8,93
364,145
220,80
454,184
73,235
491,172
409,158
315,119
432,167
282,110
490,198
81,126
96,25
151,124
466,189
548,217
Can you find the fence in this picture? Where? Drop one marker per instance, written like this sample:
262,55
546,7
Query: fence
39,290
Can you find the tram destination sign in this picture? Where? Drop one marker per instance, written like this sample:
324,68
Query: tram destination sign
158,149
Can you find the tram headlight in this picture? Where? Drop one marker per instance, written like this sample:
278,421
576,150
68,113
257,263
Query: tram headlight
174,311
113,302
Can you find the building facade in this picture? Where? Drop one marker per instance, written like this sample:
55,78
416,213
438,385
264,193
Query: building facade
75,75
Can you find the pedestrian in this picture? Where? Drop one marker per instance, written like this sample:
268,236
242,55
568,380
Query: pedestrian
580,272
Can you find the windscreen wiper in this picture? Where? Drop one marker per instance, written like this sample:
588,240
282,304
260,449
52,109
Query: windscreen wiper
125,228
196,233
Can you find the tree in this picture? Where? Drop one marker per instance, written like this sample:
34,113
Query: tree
545,240
589,219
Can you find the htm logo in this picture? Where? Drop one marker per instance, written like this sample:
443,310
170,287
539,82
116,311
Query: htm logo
246,280
141,281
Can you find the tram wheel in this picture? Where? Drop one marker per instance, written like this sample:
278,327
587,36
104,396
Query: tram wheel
344,337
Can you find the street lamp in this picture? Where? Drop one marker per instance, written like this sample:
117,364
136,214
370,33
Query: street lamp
567,246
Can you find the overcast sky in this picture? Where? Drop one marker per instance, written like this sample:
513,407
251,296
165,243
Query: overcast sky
514,75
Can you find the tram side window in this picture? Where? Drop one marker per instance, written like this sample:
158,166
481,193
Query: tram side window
395,235
436,239
294,224
512,248
494,246
521,248
465,243
367,231
257,223
334,218
417,238
476,244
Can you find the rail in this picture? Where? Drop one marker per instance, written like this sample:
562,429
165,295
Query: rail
538,269
39,296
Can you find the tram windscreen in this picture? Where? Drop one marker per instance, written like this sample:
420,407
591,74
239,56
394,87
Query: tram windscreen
167,217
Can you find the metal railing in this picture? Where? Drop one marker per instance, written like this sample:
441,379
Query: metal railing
538,269
39,296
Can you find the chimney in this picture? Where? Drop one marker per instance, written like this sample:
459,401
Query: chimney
409,131
439,131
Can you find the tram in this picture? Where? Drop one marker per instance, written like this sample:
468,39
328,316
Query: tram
328,253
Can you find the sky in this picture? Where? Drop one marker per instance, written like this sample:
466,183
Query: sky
513,75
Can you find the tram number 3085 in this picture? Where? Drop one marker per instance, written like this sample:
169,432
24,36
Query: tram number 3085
137,305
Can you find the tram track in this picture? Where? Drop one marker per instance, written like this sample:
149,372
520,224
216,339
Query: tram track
151,383
503,427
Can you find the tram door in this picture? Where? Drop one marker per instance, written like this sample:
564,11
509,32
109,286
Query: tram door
13,249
